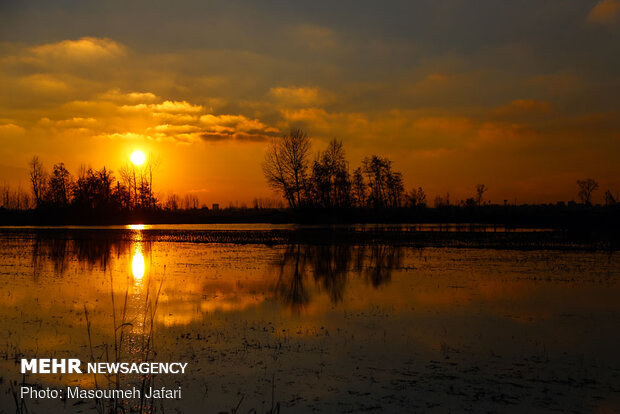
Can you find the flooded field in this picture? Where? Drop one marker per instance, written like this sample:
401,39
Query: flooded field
311,327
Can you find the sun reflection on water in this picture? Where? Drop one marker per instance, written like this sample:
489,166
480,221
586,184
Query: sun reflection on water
137,264
138,267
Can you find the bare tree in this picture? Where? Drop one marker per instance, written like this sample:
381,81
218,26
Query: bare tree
330,182
60,186
286,163
385,185
14,198
416,197
149,171
172,202
359,188
480,190
610,200
395,189
442,201
38,180
128,177
586,188
190,201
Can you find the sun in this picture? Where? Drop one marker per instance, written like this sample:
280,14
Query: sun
137,157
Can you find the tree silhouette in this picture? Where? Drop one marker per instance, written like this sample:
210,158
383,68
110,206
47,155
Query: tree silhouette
416,197
359,188
386,186
330,183
610,200
38,180
480,190
60,186
586,188
285,165
93,189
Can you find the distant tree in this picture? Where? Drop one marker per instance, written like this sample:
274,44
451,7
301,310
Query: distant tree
128,178
442,201
147,175
261,203
395,189
172,202
285,165
139,183
38,180
93,189
146,197
60,185
330,183
121,196
470,202
376,170
190,202
610,200
386,186
480,190
586,188
359,188
416,197
14,198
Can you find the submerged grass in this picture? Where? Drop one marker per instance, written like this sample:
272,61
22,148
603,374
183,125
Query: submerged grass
416,236
122,341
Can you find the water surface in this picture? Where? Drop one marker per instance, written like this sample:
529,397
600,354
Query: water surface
333,328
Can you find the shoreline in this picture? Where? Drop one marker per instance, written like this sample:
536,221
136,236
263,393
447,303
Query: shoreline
593,239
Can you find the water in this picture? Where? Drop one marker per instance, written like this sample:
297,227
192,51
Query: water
333,328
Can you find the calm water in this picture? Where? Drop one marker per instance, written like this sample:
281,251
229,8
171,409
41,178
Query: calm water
317,328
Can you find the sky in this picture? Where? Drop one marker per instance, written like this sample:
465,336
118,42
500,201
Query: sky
523,96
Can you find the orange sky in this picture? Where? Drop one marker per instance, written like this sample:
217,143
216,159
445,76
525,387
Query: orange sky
522,97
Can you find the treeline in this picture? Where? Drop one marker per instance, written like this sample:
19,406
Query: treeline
15,198
91,189
319,188
327,183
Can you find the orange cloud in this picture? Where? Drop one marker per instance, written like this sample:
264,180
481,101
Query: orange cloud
116,95
220,127
10,129
605,12
302,96
315,37
173,107
523,107
85,48
443,124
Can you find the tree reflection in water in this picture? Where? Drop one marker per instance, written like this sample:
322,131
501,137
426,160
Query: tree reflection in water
95,253
331,266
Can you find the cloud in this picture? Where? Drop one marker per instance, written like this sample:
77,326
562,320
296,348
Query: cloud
83,49
116,95
44,84
169,107
300,96
239,127
316,38
605,12
177,107
524,107
10,129
448,125
555,84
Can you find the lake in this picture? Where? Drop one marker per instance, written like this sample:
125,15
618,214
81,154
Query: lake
311,327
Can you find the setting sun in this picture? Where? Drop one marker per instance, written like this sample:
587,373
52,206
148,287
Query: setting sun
138,157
